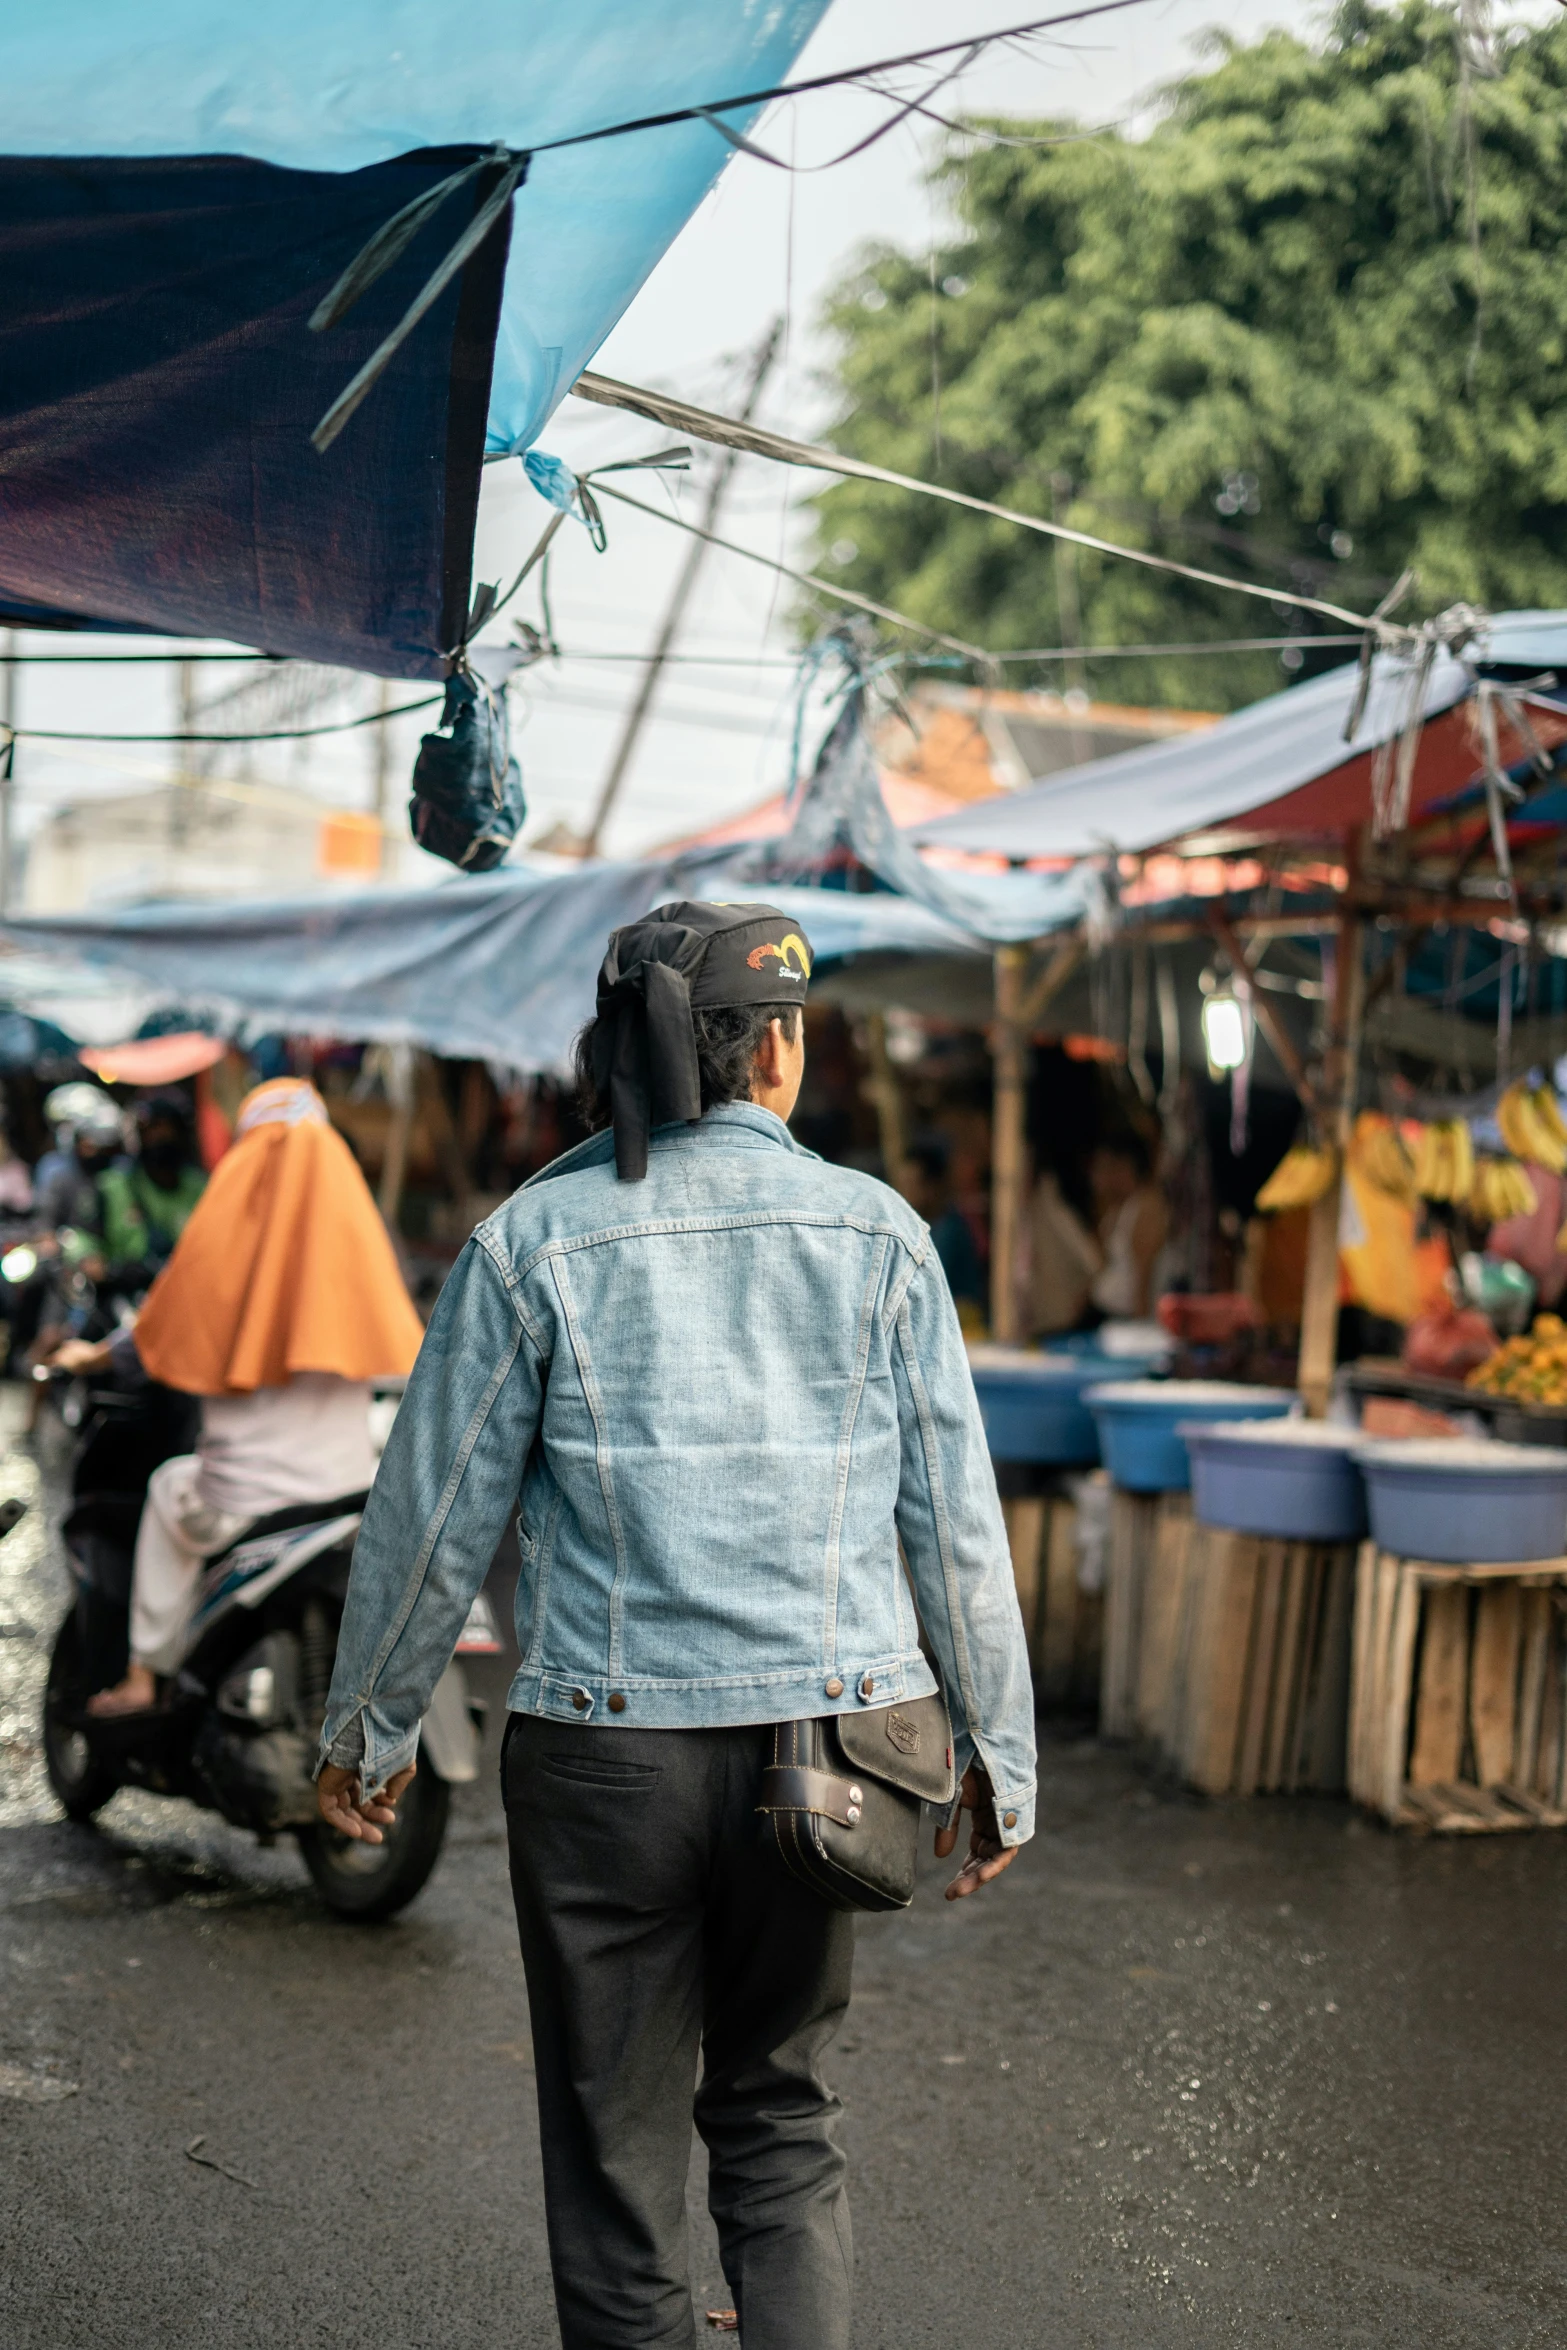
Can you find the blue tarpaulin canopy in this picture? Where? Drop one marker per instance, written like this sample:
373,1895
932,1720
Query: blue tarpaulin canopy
1280,768
313,90
501,967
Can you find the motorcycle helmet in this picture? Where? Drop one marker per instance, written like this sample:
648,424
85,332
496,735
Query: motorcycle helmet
82,1112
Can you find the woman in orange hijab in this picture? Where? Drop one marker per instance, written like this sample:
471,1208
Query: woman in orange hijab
280,1304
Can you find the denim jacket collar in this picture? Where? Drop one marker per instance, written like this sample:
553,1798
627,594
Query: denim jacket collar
745,1124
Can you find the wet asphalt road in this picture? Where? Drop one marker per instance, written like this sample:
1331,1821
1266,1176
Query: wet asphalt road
1191,2074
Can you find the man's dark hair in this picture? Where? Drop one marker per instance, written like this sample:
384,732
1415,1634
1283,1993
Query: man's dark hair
727,1038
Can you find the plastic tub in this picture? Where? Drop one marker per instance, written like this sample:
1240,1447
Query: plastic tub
1032,1405
1465,1503
1138,1421
1126,1350
1293,1480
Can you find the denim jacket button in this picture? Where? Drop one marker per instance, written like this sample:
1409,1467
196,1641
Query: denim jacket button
835,1687
617,1703
581,1700
1009,1819
868,1687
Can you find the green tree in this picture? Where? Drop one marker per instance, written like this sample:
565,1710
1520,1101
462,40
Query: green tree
1310,329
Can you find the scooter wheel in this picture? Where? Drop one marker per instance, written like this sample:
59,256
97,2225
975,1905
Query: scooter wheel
81,1777
370,1881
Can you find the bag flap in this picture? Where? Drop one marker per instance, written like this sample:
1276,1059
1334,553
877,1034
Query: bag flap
907,1746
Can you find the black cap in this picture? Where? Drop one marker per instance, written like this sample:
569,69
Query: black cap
679,959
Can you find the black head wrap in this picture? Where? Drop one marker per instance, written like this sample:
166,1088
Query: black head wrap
676,960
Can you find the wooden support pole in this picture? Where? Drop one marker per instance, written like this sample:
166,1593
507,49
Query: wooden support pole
1017,1010
1319,1312
1007,1141
886,1096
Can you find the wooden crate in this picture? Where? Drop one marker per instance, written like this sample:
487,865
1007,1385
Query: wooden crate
1147,1542
1245,1670
1061,1620
1456,1717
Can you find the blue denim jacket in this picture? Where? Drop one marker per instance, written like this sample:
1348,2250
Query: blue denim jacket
718,1399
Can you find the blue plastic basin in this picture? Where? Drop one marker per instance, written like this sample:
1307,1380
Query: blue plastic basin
1299,1482
1139,1420
1436,1498
1032,1405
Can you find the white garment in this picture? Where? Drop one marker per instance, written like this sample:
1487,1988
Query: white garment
1118,1290
308,1441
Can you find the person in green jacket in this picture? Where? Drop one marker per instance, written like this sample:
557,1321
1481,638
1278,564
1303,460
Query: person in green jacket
146,1200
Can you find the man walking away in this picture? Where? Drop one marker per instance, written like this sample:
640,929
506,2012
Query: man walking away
721,1382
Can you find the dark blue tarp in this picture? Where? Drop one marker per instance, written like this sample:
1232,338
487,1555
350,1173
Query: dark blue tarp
154,352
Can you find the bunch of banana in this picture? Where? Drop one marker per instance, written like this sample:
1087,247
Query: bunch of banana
1501,1189
1445,1161
1532,1126
1301,1176
1381,1157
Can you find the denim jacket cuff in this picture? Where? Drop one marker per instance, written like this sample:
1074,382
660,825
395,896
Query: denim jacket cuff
356,1745
1015,1816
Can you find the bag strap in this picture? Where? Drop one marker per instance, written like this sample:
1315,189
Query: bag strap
786,1788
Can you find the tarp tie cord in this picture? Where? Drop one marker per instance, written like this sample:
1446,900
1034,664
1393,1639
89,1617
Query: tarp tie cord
390,241
488,602
1500,787
1393,763
1389,604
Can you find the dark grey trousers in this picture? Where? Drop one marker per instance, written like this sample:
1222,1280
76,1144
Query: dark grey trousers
652,1922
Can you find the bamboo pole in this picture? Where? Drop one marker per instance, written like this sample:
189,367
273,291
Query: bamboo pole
1010,1053
1319,1312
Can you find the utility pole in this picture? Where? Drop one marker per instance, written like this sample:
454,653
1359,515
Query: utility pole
181,795
685,582
10,696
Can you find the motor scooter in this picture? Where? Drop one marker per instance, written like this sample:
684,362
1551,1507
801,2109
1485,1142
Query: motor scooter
239,1722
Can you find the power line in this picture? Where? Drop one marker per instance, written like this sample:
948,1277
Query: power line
977,42
278,734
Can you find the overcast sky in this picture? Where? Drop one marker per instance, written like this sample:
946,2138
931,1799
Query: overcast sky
766,243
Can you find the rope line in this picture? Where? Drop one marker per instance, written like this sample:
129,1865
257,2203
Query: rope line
808,579
754,440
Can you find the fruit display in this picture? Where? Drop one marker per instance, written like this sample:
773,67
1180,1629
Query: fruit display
1445,1161
1380,1156
1501,1188
1532,1368
1532,1126
1301,1176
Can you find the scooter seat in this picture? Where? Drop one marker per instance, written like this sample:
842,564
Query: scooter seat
299,1513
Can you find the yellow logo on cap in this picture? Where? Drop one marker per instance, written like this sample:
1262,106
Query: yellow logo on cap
790,945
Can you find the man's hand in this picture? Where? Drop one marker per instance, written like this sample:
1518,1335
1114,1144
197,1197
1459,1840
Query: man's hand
343,1807
987,1855
81,1355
